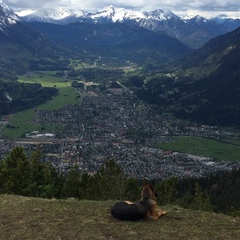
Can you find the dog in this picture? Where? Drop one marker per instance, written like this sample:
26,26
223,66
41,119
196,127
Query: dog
146,208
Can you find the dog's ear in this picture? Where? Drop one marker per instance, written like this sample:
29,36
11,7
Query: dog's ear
144,182
153,183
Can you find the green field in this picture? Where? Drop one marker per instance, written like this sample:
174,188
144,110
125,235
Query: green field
67,95
217,149
35,218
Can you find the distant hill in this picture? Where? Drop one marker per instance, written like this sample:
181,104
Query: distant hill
122,41
206,86
19,47
34,218
22,49
215,88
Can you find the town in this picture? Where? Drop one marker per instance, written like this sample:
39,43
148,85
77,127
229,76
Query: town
114,124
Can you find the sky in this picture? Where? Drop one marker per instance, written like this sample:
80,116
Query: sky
203,7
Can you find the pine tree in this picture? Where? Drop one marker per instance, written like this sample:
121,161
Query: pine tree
111,180
43,178
71,187
17,172
167,190
132,190
201,199
84,188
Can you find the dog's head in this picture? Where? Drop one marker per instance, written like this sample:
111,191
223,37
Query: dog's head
148,190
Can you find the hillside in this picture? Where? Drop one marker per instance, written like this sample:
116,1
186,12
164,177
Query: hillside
206,86
212,86
33,218
115,41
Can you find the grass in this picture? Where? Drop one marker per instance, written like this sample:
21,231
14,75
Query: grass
226,150
67,95
46,79
33,218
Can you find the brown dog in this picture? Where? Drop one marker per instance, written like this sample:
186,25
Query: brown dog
146,208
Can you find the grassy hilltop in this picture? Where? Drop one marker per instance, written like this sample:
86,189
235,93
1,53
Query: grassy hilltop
34,218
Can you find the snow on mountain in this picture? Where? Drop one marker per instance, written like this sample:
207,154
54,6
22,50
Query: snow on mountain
175,25
161,15
116,14
7,16
108,14
220,18
24,12
198,19
52,15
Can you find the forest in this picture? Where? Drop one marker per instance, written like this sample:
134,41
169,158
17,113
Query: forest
15,96
28,176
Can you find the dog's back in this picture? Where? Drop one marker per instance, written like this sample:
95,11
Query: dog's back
129,212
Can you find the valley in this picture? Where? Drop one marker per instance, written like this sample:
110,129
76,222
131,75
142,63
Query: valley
89,122
138,92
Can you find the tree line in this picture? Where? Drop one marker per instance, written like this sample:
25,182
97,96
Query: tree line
28,176
15,96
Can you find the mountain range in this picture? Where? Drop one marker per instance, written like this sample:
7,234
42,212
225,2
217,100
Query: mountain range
200,84
205,87
193,31
125,42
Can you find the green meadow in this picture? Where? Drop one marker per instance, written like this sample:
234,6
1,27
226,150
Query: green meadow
67,95
40,219
226,149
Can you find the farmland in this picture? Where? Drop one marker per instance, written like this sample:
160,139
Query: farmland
218,149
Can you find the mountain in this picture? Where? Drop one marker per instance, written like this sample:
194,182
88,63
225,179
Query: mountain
27,42
115,41
22,49
206,86
20,45
194,32
7,16
57,15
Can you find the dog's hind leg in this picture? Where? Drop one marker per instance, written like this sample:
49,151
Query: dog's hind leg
161,212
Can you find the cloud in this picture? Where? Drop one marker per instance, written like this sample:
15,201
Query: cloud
30,3
180,5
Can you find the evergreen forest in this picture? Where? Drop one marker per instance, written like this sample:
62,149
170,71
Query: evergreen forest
28,176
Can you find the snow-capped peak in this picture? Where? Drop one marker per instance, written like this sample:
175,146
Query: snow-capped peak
7,16
160,15
110,14
24,12
54,14
116,14
220,18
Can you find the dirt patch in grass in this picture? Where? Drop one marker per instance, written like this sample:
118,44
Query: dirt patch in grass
33,218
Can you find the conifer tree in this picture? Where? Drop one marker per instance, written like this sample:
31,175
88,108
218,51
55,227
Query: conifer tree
111,180
17,172
84,187
201,199
167,190
71,187
132,190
